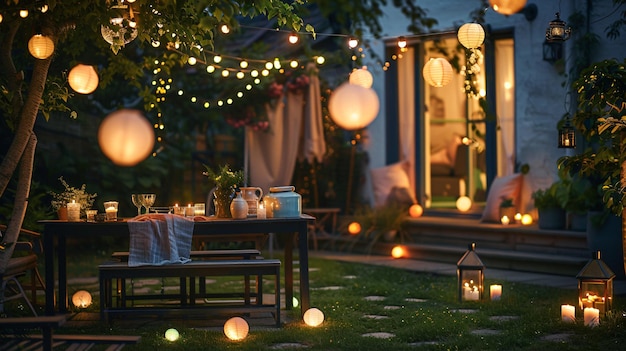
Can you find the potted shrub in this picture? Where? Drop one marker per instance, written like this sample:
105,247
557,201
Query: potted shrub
581,197
80,195
551,214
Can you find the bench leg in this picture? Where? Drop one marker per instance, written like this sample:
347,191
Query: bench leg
277,296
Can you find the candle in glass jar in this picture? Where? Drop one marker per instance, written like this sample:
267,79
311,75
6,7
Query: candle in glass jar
592,317
260,211
73,211
568,313
505,220
495,292
189,211
110,208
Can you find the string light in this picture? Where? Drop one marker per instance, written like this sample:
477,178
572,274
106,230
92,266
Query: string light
352,43
402,42
225,29
293,38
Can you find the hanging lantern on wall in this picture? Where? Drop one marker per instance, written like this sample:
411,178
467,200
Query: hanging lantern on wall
471,35
353,107
567,135
83,79
557,31
126,137
470,276
507,7
437,72
362,77
595,285
40,46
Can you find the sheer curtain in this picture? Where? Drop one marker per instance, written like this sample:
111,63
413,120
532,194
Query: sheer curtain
406,106
505,106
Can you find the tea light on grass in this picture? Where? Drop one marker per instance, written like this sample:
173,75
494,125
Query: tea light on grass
568,313
592,317
495,292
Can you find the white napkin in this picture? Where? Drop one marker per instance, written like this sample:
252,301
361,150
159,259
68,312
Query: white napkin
157,239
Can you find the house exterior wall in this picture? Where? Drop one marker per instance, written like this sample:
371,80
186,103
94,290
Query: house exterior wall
540,85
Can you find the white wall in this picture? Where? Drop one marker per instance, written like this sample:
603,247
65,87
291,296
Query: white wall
540,96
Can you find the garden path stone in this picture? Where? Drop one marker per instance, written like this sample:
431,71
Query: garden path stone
503,318
374,298
349,277
561,337
288,345
326,288
486,332
379,335
374,316
392,308
423,343
464,310
411,299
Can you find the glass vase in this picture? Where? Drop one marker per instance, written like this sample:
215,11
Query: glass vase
222,200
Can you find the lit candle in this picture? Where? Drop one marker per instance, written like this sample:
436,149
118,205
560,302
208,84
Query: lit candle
198,209
568,313
470,293
189,211
495,292
260,211
179,210
592,317
505,220
518,217
110,208
73,211
527,219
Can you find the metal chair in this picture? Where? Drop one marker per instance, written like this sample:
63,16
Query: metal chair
22,262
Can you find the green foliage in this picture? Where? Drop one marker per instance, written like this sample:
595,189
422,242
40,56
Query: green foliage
69,194
224,178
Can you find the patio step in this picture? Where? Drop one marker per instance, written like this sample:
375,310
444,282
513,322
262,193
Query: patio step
513,247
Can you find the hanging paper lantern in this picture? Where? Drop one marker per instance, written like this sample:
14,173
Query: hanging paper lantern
172,334
362,77
416,211
81,299
236,328
507,7
471,35
126,137
437,72
83,79
352,106
313,317
40,46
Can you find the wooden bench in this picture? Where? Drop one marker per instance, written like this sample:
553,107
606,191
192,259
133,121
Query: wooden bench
188,272
47,341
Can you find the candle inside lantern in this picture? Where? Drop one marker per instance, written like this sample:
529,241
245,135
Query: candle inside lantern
470,291
260,211
568,313
73,211
592,317
495,292
110,208
593,301
505,220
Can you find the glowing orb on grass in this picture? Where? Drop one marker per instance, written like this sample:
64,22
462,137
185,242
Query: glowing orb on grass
81,299
236,328
295,302
172,334
313,317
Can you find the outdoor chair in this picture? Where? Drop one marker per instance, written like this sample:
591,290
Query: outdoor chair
22,262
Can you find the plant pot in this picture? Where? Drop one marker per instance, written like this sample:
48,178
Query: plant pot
62,213
577,221
606,237
222,200
509,212
551,218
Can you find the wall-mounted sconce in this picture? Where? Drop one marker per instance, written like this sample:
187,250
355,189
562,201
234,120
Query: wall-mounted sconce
557,31
552,51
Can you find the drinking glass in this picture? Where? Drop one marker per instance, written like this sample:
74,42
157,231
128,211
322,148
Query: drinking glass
148,201
137,201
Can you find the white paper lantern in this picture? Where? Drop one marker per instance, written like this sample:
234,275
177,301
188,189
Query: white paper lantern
83,79
352,106
463,204
126,137
471,35
313,317
40,46
172,334
362,77
507,7
236,328
437,72
81,299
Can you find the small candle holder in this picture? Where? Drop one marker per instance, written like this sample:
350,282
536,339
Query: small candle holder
73,211
110,208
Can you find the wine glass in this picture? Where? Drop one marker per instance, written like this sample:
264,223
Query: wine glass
148,201
137,201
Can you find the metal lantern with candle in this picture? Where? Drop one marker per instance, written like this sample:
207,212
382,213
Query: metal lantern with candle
595,285
470,275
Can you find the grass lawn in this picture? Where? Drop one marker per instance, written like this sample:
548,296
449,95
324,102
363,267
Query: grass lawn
416,311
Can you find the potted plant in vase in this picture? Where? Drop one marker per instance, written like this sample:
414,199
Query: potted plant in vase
225,181
551,214
79,195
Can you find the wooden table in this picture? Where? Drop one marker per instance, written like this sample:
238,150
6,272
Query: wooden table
56,232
